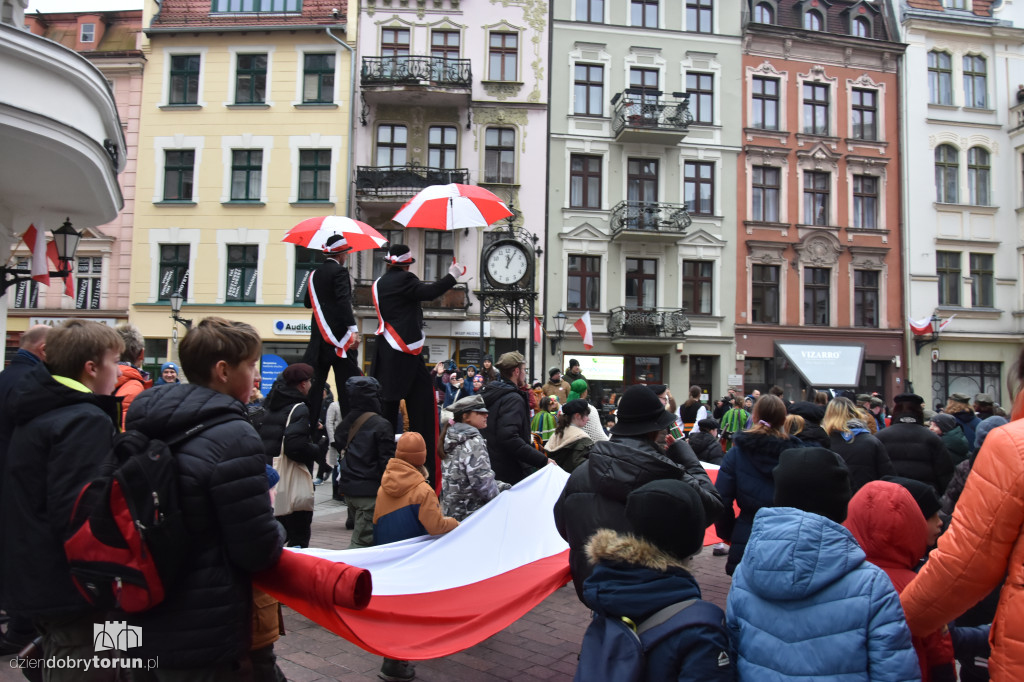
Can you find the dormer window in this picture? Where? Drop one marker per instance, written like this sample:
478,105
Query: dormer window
764,13
813,21
88,33
860,28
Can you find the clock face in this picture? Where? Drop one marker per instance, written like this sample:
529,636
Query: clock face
507,264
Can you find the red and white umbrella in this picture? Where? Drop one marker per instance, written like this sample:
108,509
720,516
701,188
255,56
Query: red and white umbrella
313,232
450,207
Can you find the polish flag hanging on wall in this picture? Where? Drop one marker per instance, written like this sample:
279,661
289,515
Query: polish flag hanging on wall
925,326
35,240
538,330
583,327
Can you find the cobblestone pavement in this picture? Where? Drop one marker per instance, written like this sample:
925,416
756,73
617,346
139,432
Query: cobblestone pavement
542,645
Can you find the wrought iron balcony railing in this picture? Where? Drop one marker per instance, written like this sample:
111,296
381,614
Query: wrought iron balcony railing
649,216
660,323
438,71
390,181
637,108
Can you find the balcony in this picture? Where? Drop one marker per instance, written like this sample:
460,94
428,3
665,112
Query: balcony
647,116
391,184
455,299
632,324
418,80
649,219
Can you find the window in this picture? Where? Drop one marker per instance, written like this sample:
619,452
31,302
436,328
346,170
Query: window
701,88
698,15
765,93
438,252
764,13
314,174
816,197
643,13
955,4
764,294
173,271
393,237
257,5
641,190
394,43
391,145
318,78
975,90
966,377
442,147
697,281
765,188
947,170
979,173
861,28
88,34
589,90
982,280
590,10
865,202
179,166
816,109
443,44
184,79
940,78
500,155
88,283
699,187
584,283
947,267
641,283
584,181
26,293
816,290
246,174
251,79
306,261
241,275
504,55
813,20
865,111
865,298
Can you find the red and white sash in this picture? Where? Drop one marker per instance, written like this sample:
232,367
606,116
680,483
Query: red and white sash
389,333
340,345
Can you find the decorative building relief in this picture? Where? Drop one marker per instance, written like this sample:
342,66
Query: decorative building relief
867,258
766,253
819,250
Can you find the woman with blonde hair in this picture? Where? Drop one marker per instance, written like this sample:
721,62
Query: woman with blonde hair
850,437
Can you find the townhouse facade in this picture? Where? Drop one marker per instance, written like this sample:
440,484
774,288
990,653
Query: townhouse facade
452,92
964,115
645,135
818,304
100,271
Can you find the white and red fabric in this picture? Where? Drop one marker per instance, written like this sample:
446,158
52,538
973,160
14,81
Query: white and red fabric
585,329
538,330
926,326
313,233
401,259
341,344
393,338
451,207
35,240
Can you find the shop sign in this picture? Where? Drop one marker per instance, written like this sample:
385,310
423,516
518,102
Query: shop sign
54,321
293,327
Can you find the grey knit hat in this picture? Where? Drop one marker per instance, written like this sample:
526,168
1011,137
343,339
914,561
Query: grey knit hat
986,425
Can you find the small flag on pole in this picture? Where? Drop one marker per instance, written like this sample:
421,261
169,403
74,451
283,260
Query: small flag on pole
583,327
35,240
538,330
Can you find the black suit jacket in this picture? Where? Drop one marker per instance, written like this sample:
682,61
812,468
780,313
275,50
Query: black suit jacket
334,292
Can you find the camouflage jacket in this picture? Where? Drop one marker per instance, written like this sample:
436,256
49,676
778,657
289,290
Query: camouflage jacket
467,480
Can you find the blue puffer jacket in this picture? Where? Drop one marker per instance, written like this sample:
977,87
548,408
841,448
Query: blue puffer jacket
805,604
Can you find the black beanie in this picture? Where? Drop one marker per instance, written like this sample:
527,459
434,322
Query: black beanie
814,480
668,514
923,493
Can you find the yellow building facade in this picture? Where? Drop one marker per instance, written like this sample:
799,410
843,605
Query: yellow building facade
245,123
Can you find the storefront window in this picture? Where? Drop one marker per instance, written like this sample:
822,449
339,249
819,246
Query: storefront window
965,377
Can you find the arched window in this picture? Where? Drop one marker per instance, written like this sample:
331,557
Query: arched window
861,27
764,13
947,169
813,20
979,175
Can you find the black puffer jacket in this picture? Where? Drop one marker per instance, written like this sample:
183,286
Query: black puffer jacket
865,457
508,432
812,434
205,617
917,453
372,446
595,494
707,447
61,438
277,407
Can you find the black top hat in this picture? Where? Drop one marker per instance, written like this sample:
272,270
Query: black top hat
398,254
640,411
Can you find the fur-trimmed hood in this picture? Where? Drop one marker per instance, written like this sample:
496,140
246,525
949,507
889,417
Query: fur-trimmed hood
571,434
607,545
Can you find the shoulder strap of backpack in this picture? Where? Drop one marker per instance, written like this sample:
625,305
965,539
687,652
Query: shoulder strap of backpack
358,424
685,614
200,427
659,617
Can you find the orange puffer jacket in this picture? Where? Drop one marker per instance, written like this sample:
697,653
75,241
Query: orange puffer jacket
984,542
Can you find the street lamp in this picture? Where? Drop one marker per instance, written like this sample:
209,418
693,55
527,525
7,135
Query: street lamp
176,300
65,240
560,320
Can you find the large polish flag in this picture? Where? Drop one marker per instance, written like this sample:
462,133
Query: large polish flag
586,330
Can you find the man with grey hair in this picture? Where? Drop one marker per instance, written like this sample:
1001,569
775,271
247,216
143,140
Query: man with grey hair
133,379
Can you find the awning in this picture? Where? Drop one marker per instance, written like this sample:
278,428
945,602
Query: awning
825,365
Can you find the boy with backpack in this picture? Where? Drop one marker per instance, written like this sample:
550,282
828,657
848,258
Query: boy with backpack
649,620
65,418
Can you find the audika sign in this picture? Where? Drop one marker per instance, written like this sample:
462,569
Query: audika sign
293,327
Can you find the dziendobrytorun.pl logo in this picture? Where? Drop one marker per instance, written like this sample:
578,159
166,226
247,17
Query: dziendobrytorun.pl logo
110,636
